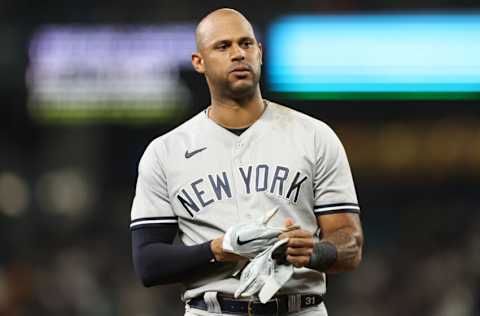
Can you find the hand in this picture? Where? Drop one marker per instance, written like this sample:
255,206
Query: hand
299,246
220,255
248,240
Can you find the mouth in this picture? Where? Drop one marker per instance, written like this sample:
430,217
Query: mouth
240,73
241,70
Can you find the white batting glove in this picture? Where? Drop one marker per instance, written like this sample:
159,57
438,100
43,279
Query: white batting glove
264,275
280,274
248,240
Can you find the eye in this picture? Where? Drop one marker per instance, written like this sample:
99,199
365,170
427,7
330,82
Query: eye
247,44
222,46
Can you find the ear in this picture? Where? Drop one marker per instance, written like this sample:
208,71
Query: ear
197,62
260,50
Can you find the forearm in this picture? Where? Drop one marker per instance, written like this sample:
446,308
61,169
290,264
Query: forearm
160,263
348,243
157,261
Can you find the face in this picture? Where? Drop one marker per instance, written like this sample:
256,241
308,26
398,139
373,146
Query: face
229,56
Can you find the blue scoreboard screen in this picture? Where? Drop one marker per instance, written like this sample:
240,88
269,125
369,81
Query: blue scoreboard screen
391,56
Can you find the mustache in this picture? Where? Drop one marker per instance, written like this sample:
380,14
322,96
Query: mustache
242,65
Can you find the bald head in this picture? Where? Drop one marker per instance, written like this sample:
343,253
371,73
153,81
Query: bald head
228,54
219,20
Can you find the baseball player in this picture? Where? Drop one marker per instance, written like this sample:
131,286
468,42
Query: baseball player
230,165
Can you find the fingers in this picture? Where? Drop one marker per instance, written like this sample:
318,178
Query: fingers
297,233
298,261
299,247
304,242
299,251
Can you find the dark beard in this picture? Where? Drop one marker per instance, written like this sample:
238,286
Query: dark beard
240,93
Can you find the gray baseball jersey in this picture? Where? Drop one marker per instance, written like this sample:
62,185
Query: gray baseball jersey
204,178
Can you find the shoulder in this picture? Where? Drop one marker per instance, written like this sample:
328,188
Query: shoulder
300,121
186,130
161,146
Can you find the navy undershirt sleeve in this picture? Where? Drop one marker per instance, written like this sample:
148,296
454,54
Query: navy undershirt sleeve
157,261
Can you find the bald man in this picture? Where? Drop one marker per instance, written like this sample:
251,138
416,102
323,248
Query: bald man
230,164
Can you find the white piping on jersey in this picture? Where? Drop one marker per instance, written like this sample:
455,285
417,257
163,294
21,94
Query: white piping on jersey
156,221
341,207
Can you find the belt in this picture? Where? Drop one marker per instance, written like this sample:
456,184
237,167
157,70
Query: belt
278,305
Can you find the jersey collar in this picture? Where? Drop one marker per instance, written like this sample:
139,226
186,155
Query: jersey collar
252,133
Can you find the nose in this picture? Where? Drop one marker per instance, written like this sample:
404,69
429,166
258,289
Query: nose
238,54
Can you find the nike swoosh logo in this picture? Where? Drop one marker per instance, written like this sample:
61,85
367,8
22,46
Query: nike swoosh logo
240,242
191,154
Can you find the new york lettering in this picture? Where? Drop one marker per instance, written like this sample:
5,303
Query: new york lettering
277,180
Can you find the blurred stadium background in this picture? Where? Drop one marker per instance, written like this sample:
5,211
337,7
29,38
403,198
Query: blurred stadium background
85,86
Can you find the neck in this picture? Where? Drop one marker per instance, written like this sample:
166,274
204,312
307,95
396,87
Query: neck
233,113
